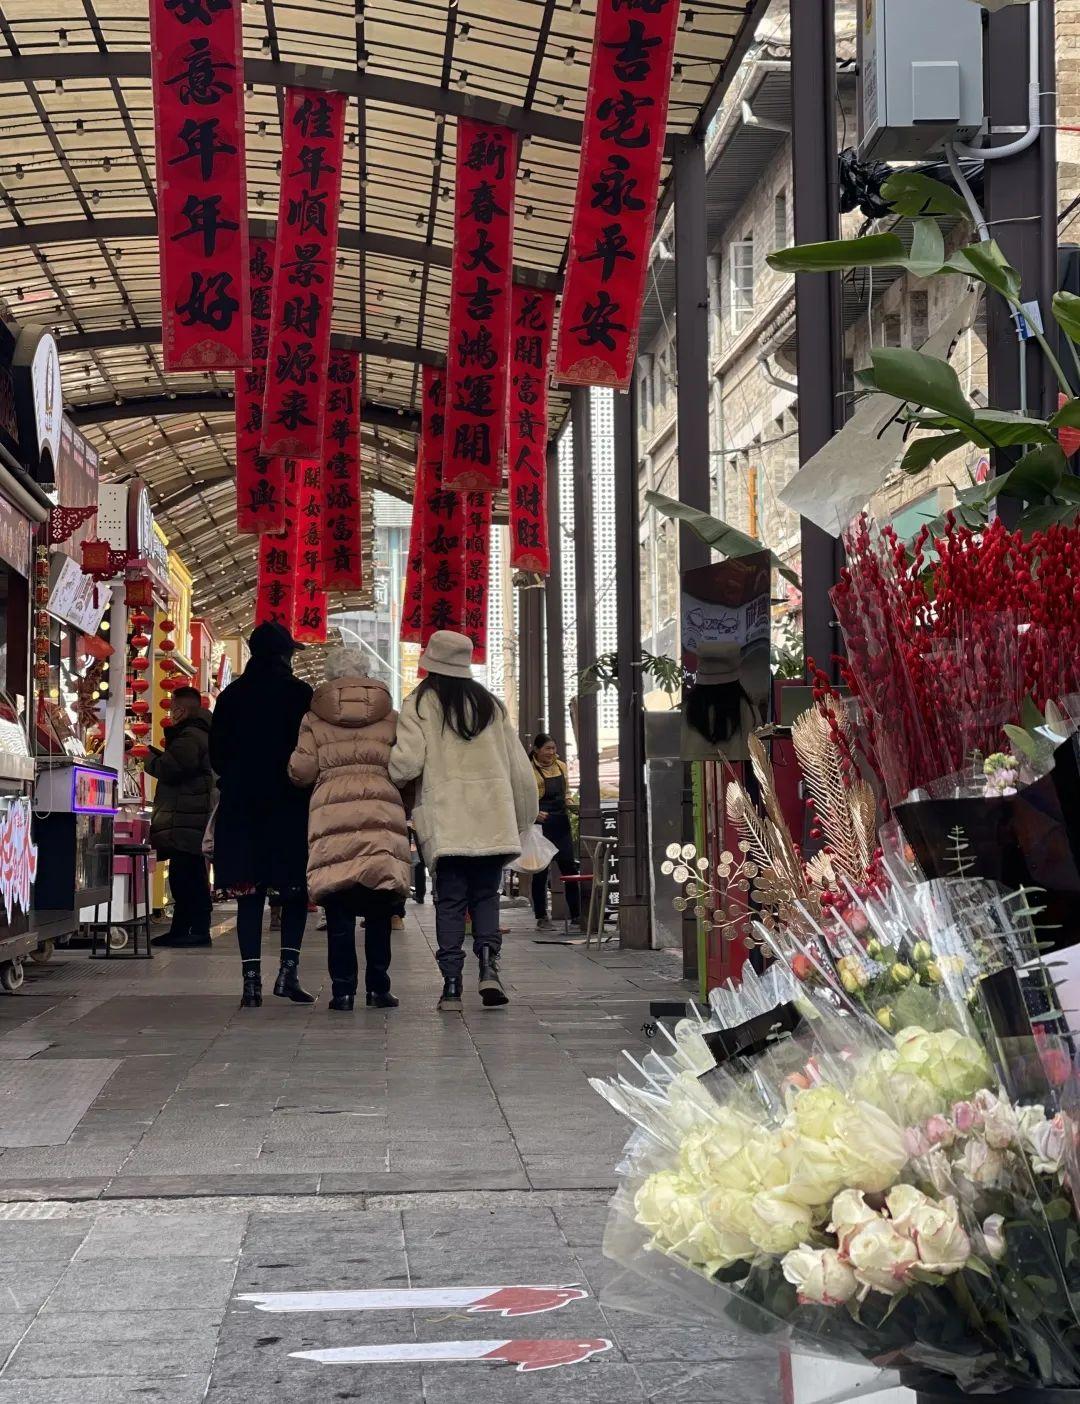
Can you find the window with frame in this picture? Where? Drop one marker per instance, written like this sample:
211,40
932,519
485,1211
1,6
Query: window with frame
741,282
780,233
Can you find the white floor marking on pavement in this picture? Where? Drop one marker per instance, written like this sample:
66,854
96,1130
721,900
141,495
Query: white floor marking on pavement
527,1356
504,1301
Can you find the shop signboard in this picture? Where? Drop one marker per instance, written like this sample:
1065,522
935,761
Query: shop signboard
39,401
73,597
76,483
149,553
14,538
18,856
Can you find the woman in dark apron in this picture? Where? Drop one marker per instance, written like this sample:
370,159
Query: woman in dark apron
553,791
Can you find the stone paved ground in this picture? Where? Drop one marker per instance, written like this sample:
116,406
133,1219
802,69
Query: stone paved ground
290,1150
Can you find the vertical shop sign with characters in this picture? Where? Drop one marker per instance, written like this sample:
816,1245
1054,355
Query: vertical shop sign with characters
428,473
197,75
530,350
275,595
480,294
443,550
475,585
343,564
305,261
309,609
618,178
260,500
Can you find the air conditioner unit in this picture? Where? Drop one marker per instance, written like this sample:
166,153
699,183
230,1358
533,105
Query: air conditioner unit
921,76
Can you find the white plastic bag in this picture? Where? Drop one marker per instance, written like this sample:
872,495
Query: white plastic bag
536,851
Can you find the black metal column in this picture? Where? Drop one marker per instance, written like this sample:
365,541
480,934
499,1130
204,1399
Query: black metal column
530,651
553,612
692,369
1020,202
692,340
585,590
819,326
635,925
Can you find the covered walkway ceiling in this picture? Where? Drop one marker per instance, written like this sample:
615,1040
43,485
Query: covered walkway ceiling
78,242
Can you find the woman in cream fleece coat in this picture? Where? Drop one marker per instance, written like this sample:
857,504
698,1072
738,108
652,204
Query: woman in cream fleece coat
475,796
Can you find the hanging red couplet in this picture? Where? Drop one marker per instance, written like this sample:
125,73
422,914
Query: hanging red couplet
480,291
618,179
309,611
343,566
428,473
530,349
474,614
444,560
304,265
260,499
197,73
275,594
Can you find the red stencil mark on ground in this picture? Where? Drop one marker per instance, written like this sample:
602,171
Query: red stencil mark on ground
528,1301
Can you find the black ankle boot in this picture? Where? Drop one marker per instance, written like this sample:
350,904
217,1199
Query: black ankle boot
382,1001
344,1003
252,995
450,1000
491,990
288,986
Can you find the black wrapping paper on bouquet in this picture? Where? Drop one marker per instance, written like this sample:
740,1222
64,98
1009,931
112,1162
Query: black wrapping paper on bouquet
930,1389
1030,839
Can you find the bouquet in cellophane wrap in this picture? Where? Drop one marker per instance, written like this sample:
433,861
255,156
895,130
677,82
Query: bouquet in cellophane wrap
877,1168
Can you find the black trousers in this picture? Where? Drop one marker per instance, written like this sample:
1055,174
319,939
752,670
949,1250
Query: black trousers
249,920
419,880
341,912
189,883
557,830
466,887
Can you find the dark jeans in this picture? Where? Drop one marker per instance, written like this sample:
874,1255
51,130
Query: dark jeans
419,880
557,830
466,887
189,883
341,913
249,919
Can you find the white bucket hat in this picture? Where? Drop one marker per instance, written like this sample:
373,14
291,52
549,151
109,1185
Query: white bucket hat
448,653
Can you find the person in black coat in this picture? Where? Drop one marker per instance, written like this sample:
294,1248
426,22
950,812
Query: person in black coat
260,833
182,802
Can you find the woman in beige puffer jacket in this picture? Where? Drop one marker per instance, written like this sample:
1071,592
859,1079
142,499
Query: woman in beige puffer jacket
358,846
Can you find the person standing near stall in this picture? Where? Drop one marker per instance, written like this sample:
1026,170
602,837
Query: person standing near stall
553,786
182,803
260,833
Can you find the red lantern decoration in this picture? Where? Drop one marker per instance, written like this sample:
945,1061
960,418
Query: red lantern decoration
138,685
41,567
168,684
166,626
166,645
140,708
139,594
41,594
139,641
139,752
140,619
140,728
41,672
41,646
139,665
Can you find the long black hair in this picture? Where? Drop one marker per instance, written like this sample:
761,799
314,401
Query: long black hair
467,707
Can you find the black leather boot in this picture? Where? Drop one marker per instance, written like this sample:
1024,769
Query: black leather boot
382,1001
288,986
450,999
344,1003
491,990
252,995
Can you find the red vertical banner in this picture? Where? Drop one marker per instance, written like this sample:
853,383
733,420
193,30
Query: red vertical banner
260,499
444,560
343,565
197,76
304,266
474,613
615,207
309,611
526,433
275,594
480,291
428,472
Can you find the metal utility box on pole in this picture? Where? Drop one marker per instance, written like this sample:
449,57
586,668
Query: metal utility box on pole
818,319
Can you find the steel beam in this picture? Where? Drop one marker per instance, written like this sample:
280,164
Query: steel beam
819,331
634,909
212,402
553,609
75,64
585,589
115,228
110,337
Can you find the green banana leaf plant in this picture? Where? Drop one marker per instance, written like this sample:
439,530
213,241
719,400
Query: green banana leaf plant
934,400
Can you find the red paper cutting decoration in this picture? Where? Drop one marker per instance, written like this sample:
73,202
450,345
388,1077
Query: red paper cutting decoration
428,470
305,260
615,205
474,614
309,608
343,566
260,503
197,71
275,590
64,522
530,350
480,306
